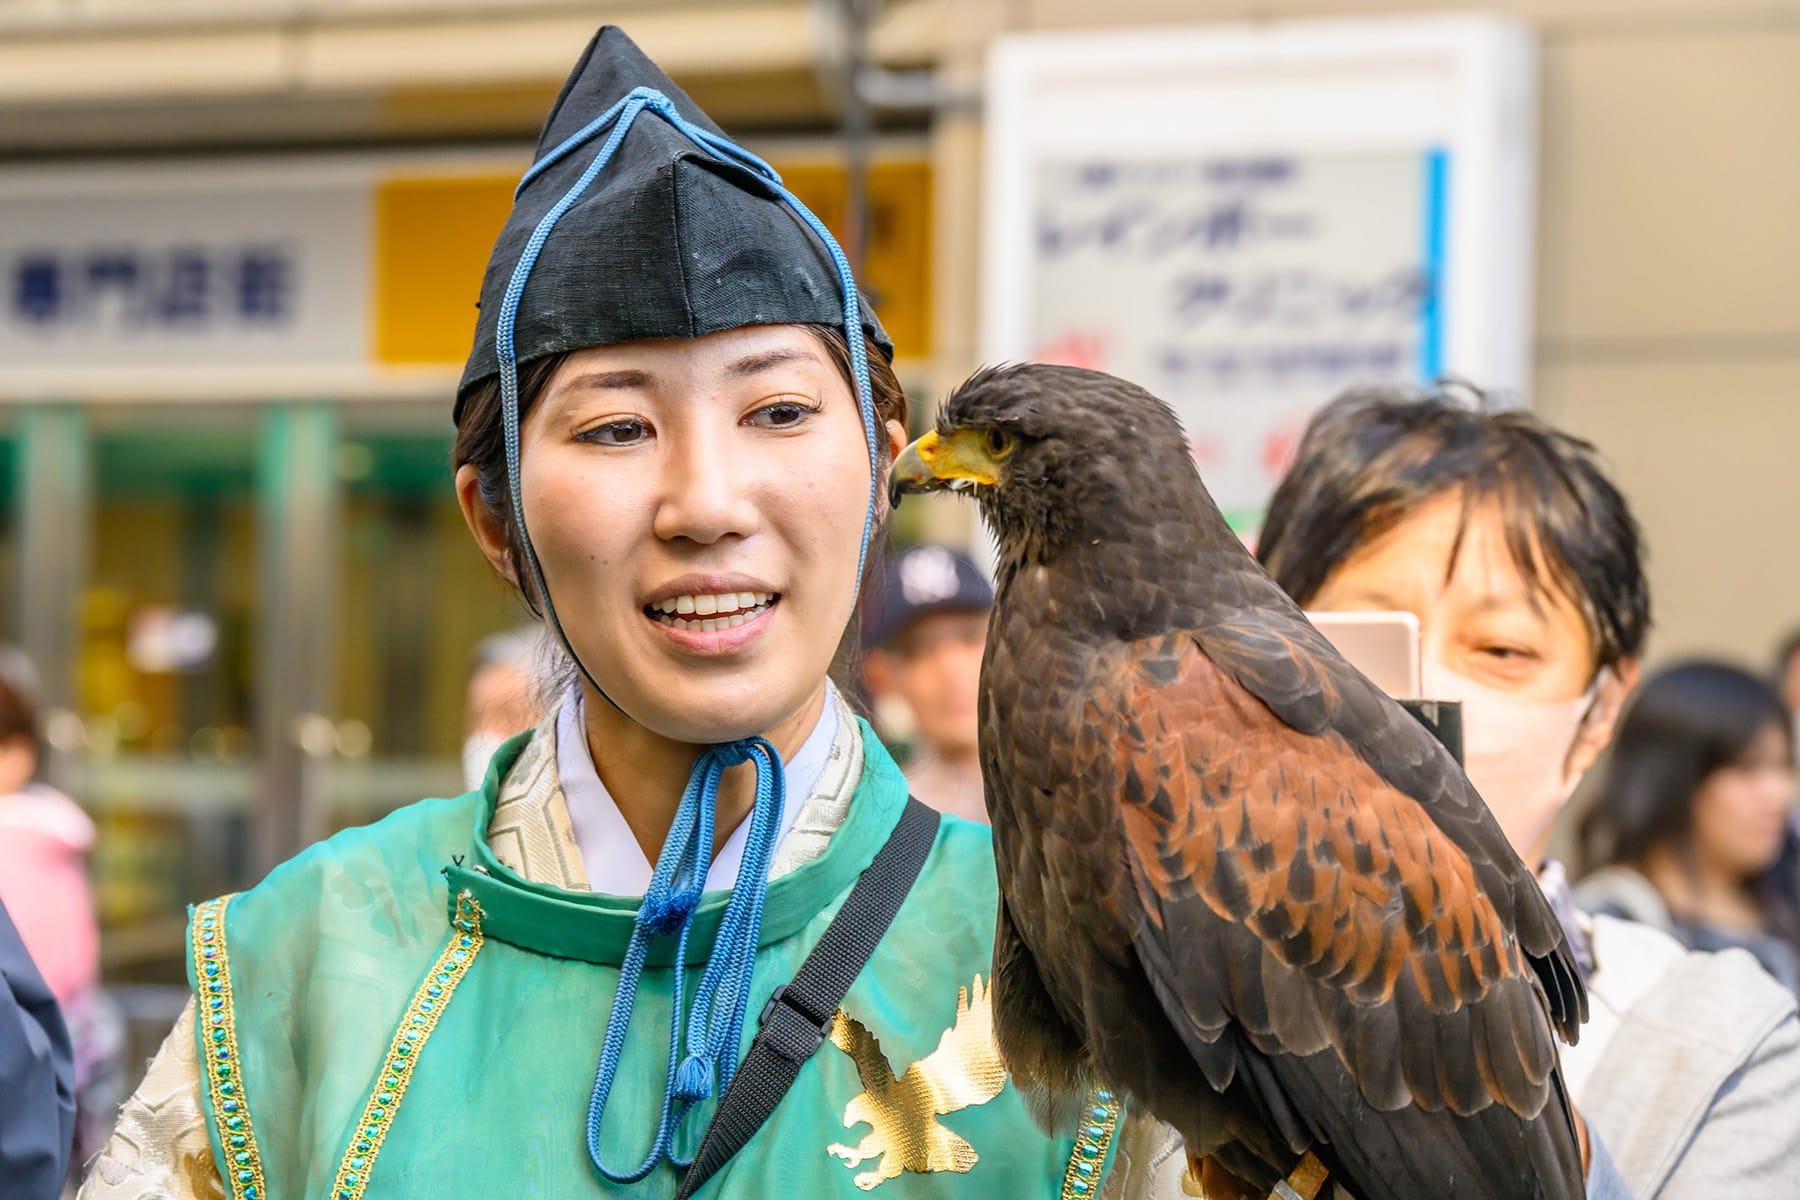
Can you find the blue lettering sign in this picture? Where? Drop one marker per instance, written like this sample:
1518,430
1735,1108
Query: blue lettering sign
188,288
264,285
112,286
1290,298
38,289
184,291
1321,364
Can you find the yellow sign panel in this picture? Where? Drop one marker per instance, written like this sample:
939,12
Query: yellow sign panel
432,238
897,272
433,235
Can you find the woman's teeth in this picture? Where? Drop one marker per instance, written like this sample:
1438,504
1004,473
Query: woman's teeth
723,610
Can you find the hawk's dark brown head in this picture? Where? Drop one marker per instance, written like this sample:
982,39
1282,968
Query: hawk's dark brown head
1052,453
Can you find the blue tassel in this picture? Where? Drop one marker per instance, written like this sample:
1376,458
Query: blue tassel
716,1021
665,915
694,1081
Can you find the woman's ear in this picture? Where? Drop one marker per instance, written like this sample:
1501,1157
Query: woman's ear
1596,733
896,439
488,528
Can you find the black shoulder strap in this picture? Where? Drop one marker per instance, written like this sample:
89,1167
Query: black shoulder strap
799,1013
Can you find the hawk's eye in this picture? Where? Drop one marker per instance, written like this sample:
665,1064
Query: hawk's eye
998,443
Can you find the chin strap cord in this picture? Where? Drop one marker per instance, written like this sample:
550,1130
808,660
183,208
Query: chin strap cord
715,1025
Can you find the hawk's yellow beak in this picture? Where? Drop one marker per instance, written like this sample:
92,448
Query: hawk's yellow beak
933,463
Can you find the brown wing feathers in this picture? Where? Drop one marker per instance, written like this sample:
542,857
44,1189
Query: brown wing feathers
1282,661
1356,893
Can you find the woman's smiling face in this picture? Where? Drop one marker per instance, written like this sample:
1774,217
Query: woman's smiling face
697,507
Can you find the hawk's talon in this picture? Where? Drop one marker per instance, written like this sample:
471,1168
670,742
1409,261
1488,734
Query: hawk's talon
1304,1181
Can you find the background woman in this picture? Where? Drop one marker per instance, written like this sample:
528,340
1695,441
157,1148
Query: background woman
1694,813
45,838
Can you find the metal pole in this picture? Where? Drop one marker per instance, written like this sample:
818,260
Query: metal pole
298,524
54,470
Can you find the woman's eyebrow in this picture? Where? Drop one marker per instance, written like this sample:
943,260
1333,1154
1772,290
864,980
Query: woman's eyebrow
755,364
1506,602
608,381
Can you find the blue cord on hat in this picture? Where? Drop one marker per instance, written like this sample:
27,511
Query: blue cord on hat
715,1025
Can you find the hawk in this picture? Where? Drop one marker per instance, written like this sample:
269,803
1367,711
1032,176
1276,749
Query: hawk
1238,882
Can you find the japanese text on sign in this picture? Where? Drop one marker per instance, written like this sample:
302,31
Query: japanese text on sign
1245,291
106,280
153,290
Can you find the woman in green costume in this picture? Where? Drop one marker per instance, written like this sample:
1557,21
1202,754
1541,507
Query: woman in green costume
671,436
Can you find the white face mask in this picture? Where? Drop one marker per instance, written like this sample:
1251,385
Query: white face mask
1516,752
477,751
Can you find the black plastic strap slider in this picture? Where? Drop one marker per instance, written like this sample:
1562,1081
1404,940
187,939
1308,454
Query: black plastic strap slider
774,999
793,1032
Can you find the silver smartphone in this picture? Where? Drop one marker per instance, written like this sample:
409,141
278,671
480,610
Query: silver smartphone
1382,645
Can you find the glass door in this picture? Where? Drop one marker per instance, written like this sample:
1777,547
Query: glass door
162,747
255,623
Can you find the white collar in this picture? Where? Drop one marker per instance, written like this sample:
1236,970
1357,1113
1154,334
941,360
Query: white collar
614,861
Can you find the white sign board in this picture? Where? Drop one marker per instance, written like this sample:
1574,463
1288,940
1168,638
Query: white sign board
1246,221
152,269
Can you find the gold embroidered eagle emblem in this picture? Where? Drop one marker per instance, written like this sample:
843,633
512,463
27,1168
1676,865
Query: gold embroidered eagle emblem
964,1070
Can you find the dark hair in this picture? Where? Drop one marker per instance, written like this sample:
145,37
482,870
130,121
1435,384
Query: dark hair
481,440
1685,723
1374,455
1785,654
18,715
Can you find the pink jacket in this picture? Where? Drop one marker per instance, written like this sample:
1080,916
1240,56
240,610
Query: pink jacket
44,840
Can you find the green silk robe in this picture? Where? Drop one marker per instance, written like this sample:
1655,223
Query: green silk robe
397,1013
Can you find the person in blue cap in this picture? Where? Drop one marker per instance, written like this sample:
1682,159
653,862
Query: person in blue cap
690,937
924,633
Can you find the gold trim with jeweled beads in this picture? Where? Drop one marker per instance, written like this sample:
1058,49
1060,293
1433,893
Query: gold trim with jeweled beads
220,1066
1087,1162
421,1017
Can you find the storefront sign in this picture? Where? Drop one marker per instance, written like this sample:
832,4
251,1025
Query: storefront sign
1239,286
144,272
1249,221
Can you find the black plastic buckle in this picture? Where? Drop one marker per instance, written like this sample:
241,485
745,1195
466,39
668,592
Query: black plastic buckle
804,1043
774,999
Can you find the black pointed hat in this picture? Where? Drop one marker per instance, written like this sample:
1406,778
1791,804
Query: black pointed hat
668,240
